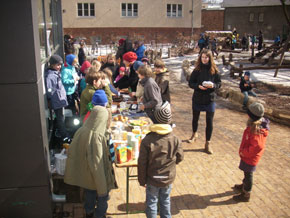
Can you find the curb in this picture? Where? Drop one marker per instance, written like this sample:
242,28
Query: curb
277,115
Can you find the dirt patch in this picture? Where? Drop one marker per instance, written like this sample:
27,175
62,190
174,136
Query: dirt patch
275,96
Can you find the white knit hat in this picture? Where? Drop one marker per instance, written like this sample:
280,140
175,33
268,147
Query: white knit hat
163,114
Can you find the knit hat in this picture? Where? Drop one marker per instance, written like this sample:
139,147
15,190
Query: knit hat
121,41
85,66
247,73
122,69
100,98
137,64
55,59
145,60
163,114
256,111
130,56
70,58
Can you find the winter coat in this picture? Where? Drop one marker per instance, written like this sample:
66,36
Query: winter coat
160,151
67,78
81,56
152,97
252,146
127,81
204,97
140,52
244,88
162,80
55,91
88,164
87,95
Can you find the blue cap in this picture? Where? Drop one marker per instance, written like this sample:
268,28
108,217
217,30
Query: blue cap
70,58
137,64
247,73
100,98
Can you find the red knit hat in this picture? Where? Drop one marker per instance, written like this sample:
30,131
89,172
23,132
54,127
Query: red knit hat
130,56
121,41
85,66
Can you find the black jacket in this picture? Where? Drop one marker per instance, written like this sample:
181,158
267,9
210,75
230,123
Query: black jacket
127,81
242,85
162,80
204,97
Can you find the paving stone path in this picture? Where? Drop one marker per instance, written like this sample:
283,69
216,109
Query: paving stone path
203,184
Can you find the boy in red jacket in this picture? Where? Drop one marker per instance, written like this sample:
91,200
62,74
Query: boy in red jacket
251,149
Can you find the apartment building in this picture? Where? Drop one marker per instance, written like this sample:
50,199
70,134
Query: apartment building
106,21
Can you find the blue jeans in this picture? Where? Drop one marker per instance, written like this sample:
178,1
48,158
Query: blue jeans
91,199
153,194
246,98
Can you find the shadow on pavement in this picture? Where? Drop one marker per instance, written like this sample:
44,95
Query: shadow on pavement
184,202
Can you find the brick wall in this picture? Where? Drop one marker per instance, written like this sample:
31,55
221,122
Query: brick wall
107,35
212,20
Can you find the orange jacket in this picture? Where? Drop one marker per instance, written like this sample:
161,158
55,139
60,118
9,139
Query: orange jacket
252,146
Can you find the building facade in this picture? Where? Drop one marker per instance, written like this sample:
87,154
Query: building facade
106,21
251,16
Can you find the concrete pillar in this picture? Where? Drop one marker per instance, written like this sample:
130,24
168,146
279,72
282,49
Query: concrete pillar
24,163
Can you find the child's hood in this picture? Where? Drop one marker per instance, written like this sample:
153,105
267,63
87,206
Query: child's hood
265,126
161,129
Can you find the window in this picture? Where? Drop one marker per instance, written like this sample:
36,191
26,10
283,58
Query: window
261,17
129,10
251,18
174,10
86,9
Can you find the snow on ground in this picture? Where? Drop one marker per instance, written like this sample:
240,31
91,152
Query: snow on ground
175,63
265,76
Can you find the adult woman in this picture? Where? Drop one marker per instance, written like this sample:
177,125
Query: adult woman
204,80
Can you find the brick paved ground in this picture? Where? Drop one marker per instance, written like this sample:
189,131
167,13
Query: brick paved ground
203,184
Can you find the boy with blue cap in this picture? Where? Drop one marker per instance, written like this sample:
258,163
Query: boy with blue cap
246,88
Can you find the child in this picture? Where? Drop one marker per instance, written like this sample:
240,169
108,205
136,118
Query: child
94,80
89,165
99,98
108,73
139,89
70,78
162,79
84,70
121,74
110,63
152,97
246,88
160,151
130,79
145,61
252,148
56,94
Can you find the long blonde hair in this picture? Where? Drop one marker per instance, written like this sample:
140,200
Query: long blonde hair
213,67
255,126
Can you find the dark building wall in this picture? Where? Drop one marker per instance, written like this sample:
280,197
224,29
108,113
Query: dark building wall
159,35
271,25
24,184
212,20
